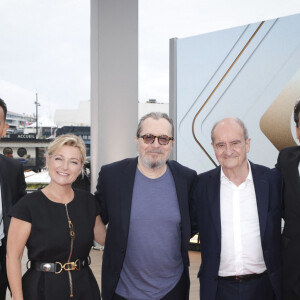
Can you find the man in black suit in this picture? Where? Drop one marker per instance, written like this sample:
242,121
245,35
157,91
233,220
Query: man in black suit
288,164
145,202
237,208
13,187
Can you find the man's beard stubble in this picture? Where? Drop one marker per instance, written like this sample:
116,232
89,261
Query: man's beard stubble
154,164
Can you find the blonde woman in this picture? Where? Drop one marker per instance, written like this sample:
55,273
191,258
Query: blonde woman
58,226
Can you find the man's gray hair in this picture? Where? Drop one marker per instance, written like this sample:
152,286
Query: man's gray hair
155,116
239,121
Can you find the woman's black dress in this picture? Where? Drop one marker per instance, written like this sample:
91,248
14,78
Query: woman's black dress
49,241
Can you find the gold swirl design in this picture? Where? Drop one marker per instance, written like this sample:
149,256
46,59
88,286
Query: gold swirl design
216,87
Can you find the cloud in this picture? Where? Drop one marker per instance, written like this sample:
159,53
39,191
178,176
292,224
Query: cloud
21,100
45,47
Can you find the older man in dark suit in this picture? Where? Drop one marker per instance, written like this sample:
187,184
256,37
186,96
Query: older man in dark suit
289,165
237,208
13,187
145,201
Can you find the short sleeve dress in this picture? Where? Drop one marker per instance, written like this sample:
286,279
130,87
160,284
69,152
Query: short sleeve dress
49,241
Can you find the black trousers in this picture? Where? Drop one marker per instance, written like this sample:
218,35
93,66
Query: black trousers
179,292
254,289
290,295
3,276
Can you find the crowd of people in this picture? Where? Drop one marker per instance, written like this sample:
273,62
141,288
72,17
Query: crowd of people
145,211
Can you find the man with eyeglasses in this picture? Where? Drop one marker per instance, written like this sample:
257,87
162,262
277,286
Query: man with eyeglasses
145,202
12,188
237,210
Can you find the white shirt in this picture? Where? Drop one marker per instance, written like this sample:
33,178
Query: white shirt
1,220
241,250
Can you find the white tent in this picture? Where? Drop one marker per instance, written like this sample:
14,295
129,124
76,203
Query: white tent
32,177
43,122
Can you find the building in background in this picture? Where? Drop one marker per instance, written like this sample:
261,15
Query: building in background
22,143
17,122
152,105
82,131
46,128
82,115
26,148
74,117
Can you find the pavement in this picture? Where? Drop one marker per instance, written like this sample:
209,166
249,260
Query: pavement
96,257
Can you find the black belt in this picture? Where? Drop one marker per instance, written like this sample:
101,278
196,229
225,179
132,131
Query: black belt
241,278
58,267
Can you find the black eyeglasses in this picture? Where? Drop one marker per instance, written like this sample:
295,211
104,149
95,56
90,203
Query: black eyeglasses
162,139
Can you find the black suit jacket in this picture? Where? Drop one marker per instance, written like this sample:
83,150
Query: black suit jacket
206,216
114,193
13,187
288,161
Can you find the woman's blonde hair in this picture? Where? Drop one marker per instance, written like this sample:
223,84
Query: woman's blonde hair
68,140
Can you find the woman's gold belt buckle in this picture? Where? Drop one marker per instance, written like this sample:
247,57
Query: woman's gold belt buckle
69,266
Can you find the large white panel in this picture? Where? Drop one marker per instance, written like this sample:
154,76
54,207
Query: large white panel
236,72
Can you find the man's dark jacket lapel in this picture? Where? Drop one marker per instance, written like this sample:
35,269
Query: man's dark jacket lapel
181,188
5,194
261,186
126,190
214,199
128,173
262,198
